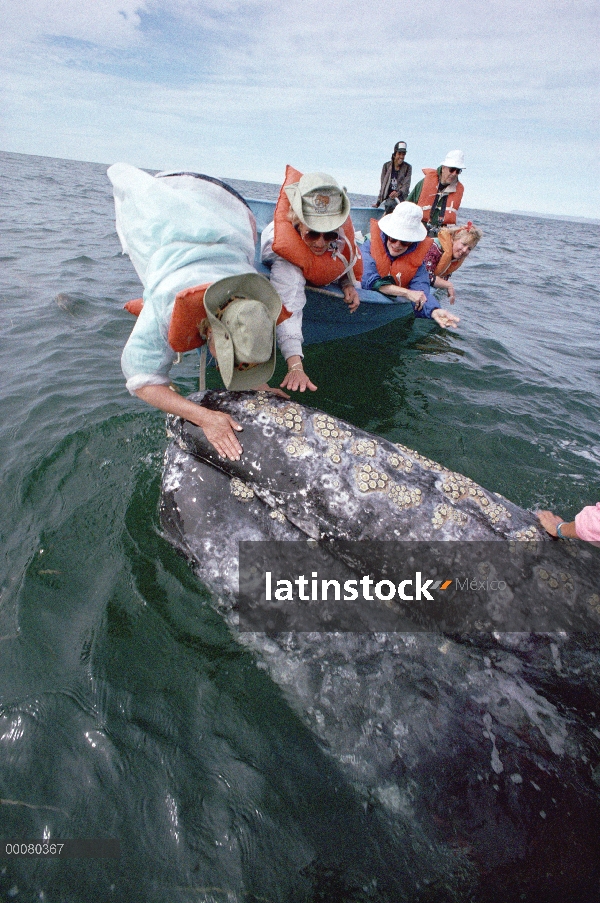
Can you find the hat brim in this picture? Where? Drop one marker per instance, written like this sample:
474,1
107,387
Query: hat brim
241,380
255,286
389,227
320,223
251,285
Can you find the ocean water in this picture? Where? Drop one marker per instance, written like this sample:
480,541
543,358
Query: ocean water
126,707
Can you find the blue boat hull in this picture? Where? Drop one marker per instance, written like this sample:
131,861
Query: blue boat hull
325,316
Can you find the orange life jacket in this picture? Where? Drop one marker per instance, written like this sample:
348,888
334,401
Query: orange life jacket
187,316
402,268
317,270
446,265
427,198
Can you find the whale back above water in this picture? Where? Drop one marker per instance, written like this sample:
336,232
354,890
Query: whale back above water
482,748
332,480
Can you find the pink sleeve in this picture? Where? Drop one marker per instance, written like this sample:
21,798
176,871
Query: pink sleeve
587,523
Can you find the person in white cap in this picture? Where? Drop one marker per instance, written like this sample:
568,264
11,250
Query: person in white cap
439,194
393,262
311,240
191,239
395,179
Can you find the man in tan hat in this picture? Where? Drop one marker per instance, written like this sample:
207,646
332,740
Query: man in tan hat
311,240
191,239
439,194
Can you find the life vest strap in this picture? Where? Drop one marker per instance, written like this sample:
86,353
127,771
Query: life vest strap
353,256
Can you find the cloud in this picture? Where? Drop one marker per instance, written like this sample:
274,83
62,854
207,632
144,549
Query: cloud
107,22
247,85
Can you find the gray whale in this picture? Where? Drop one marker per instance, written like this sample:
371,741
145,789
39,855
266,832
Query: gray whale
482,747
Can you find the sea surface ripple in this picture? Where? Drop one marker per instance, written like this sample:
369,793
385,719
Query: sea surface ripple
126,707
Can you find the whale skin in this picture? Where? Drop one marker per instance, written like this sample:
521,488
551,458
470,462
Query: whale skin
482,750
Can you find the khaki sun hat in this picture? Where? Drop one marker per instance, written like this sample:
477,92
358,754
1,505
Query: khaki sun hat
242,312
319,202
404,223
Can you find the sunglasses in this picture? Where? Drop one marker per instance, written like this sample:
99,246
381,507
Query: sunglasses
454,169
313,236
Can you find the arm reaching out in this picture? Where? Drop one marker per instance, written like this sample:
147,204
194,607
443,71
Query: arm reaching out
445,283
586,525
218,427
550,522
296,380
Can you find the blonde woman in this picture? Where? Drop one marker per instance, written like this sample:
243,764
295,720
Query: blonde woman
449,250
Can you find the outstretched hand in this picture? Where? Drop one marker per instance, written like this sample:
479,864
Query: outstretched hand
351,298
219,430
218,427
444,318
549,521
298,381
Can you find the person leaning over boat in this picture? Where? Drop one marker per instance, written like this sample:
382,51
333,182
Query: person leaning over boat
311,240
395,179
586,524
447,253
393,262
439,194
191,239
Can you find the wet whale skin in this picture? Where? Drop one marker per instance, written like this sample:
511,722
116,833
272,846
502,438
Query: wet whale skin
485,746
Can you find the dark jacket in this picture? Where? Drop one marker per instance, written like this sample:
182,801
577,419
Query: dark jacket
404,177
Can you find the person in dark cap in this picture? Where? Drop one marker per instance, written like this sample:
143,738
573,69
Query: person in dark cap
395,179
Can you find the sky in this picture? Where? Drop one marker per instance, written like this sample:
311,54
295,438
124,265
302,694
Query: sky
239,88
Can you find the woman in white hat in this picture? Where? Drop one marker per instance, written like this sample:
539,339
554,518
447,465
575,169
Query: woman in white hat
311,239
191,239
393,262
440,193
